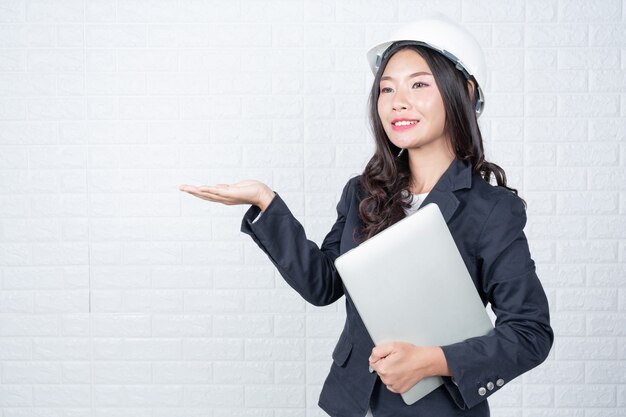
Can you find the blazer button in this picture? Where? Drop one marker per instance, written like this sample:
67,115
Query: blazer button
500,382
490,385
482,391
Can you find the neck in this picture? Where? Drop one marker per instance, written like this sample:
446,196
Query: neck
426,168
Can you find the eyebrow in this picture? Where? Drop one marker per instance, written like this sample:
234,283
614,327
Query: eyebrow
415,74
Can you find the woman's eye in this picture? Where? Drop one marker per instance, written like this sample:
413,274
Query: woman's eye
419,84
386,90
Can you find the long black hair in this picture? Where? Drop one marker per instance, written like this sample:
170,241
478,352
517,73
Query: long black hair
385,179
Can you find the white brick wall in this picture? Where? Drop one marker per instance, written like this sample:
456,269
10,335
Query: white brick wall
121,296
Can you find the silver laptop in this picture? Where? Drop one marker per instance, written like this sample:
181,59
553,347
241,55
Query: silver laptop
409,283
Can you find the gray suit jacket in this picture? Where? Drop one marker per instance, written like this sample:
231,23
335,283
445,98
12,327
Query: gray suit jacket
487,224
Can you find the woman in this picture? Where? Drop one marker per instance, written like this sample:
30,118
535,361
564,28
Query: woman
424,105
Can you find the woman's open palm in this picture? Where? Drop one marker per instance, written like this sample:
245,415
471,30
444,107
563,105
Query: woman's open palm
242,192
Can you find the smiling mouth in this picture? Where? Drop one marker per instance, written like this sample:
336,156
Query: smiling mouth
405,123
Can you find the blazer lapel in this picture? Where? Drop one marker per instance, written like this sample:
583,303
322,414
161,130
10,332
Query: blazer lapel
457,176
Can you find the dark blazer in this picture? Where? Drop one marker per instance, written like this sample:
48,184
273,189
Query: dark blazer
487,224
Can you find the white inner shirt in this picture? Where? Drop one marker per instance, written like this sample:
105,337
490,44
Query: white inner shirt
416,202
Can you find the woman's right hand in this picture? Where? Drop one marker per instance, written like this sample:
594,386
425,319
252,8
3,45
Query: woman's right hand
243,192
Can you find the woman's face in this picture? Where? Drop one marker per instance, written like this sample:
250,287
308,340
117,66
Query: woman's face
410,106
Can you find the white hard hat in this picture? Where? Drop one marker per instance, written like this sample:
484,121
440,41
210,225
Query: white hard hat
447,37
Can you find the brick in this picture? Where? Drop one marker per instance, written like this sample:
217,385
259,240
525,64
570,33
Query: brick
146,11
136,349
150,253
181,325
217,349
565,179
589,58
596,105
138,395
288,349
249,35
247,412
587,251
344,36
584,396
541,10
568,324
111,372
319,11
317,371
76,372
605,372
610,129
607,178
242,325
287,36
556,36
587,203
289,373
61,301
587,299
561,275
244,373
607,35
154,108
320,349
31,373
243,277
540,105
214,301
121,84
289,325
28,325
16,395
75,325
606,324
211,253
569,11
554,412
490,10
539,203
275,396
564,373
214,396
607,275
538,396
607,81
116,36
546,81
273,301
604,412
508,396
15,348
202,12
132,325
546,227
183,372
324,325
606,227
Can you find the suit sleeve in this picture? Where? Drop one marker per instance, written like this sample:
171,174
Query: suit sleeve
522,336
307,268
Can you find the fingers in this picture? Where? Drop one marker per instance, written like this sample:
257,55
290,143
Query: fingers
380,352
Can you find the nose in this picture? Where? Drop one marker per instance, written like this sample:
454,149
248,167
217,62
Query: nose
400,101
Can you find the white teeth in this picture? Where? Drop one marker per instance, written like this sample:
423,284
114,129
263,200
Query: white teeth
405,123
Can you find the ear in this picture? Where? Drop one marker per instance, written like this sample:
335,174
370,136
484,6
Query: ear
470,88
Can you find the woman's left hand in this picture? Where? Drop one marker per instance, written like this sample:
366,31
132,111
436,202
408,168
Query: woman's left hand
401,365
